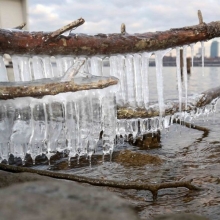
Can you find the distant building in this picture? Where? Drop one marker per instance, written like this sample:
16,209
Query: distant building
214,49
13,13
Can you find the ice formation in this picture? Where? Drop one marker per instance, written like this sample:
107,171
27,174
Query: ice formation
72,122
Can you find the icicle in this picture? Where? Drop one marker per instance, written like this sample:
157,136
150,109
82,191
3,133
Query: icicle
121,124
48,70
25,68
159,75
60,67
16,68
73,127
96,66
54,125
185,77
5,132
38,67
134,125
3,71
109,122
138,80
21,131
96,116
145,77
122,80
113,66
178,76
130,80
84,122
21,67
192,56
203,54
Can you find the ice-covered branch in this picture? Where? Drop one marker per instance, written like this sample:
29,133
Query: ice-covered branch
198,101
153,188
39,88
20,42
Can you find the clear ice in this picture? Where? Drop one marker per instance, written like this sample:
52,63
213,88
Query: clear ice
73,122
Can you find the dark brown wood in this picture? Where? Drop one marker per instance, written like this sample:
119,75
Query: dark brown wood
153,188
39,88
20,27
23,42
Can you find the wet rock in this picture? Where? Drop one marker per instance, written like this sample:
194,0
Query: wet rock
61,200
180,216
130,158
7,178
149,141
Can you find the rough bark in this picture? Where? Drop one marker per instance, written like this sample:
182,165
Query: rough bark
39,88
199,101
153,188
23,42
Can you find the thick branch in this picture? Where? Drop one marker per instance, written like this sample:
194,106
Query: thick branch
21,42
199,101
44,87
153,188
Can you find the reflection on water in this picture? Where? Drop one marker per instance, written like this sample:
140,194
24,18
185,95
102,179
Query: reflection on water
186,154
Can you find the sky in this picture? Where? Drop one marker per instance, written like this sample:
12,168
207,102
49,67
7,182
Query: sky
106,16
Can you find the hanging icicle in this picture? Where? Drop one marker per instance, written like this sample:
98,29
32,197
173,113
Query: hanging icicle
178,76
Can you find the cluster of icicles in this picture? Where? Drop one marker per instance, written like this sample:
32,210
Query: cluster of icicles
73,121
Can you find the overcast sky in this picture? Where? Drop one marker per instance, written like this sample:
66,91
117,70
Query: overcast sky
106,16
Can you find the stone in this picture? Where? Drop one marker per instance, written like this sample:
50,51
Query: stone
130,158
180,216
7,178
64,200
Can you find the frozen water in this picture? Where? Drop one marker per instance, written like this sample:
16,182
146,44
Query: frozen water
203,54
159,75
3,71
145,78
138,80
178,74
96,66
130,81
73,121
185,77
192,56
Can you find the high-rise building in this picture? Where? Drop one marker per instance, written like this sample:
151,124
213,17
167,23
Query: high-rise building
214,49
13,13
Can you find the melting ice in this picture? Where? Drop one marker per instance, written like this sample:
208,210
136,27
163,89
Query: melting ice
73,121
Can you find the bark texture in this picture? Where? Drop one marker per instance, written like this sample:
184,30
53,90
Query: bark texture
33,43
39,88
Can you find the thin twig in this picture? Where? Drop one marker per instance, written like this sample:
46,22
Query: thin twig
123,28
20,26
200,17
153,188
70,26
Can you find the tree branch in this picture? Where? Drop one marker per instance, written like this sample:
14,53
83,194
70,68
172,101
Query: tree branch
153,188
42,87
199,101
15,42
